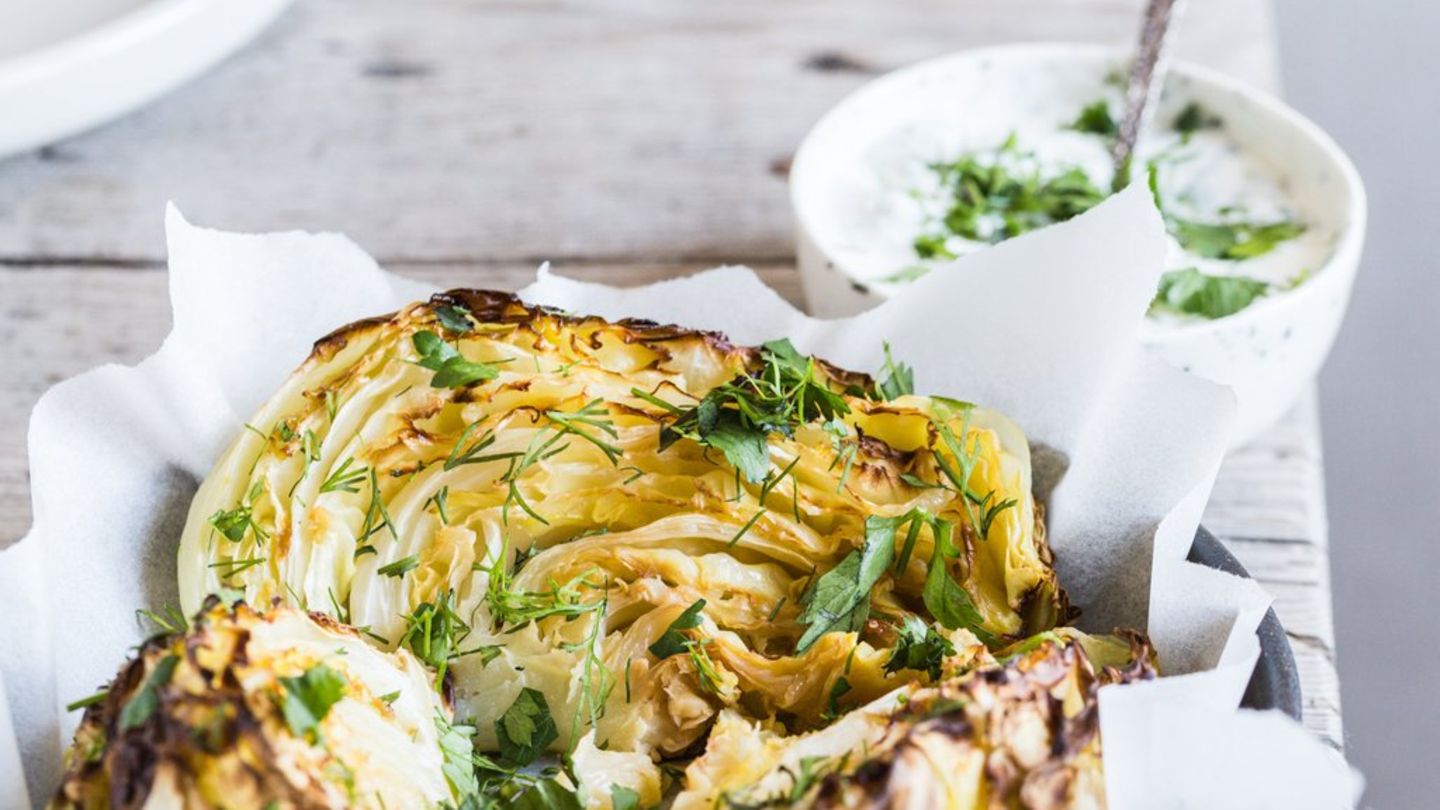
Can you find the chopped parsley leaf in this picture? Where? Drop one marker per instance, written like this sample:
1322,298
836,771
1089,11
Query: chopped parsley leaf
308,699
1194,118
1235,241
839,601
1192,292
919,647
526,729
1095,119
451,368
672,641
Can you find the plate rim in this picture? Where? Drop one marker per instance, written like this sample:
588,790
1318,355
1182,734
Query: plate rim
83,62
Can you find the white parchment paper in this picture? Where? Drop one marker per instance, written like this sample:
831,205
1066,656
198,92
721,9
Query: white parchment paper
1042,328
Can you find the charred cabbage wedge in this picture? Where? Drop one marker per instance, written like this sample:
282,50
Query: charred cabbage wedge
1020,730
603,535
285,709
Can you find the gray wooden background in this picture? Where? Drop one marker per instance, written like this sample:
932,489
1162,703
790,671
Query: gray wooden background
463,142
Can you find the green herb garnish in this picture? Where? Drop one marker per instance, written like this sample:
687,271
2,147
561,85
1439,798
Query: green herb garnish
451,369
308,699
1095,119
1194,118
919,647
737,418
234,523
144,702
229,568
672,641
345,479
433,631
840,689
623,798
946,599
1192,292
839,601
588,423
899,378
705,670
454,317
993,197
1235,241
526,729
88,701
459,753
400,567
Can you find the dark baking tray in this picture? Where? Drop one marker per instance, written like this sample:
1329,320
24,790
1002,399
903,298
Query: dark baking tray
1275,683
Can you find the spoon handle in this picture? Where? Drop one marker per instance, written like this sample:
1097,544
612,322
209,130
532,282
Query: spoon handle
1145,73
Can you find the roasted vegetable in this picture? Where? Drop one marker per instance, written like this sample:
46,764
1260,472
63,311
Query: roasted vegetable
624,528
243,710
1020,731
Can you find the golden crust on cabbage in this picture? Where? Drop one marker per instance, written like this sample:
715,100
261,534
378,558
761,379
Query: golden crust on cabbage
1018,731
284,709
534,501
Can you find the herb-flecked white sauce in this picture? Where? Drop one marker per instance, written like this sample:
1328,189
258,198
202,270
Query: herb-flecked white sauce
1203,175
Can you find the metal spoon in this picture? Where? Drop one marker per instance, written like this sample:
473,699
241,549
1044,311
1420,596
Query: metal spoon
1146,74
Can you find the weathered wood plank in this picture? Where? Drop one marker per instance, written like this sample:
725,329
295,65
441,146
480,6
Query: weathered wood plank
462,130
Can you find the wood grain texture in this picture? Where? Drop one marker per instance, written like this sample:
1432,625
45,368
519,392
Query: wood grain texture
463,141
457,129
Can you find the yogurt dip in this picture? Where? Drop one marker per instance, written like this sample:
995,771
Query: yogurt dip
1266,214
1231,213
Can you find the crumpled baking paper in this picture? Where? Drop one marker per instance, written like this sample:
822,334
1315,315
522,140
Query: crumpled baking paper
1042,328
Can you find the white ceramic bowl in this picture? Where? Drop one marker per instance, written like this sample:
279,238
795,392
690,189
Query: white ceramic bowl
1267,352
69,65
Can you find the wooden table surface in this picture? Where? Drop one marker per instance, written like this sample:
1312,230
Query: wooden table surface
463,142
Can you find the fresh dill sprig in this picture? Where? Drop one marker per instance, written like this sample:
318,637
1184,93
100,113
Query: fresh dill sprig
705,670
596,679
547,442
461,454
344,479
233,567
746,527
980,509
441,499
234,523
170,621
375,511
434,631
88,701
400,567
899,378
516,608
846,448
594,416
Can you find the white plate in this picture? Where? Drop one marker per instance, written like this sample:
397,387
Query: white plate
69,65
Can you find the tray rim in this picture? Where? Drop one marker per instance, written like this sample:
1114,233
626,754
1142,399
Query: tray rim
1275,683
